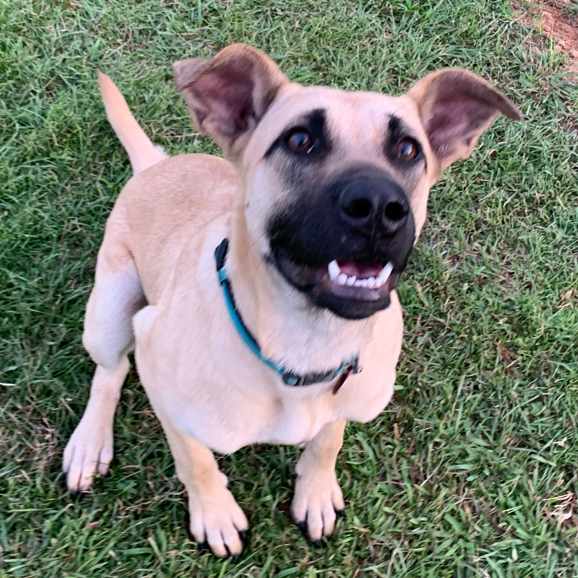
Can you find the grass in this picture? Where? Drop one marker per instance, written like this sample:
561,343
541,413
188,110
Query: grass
471,470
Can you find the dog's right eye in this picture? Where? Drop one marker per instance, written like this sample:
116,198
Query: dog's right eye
299,140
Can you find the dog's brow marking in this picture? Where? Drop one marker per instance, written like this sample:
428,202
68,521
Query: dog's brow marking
396,129
394,124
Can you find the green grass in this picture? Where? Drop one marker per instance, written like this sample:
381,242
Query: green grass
467,471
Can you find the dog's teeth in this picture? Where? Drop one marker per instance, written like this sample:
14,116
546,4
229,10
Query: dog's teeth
371,282
364,282
385,273
358,283
333,269
342,279
351,280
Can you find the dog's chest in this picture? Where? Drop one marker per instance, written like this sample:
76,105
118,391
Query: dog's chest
226,398
226,415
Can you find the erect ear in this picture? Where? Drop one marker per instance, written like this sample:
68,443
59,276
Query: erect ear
228,95
456,107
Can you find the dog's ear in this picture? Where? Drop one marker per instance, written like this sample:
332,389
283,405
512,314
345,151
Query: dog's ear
228,95
456,107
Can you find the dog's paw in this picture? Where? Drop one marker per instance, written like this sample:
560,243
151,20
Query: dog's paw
88,452
317,500
218,522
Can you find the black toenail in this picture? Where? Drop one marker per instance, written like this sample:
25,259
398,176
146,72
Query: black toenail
340,513
203,546
318,543
244,534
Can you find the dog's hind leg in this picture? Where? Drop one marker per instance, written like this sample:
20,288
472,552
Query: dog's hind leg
317,494
108,337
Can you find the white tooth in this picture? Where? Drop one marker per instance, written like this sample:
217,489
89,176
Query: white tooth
358,283
351,280
378,283
385,273
342,279
371,282
333,269
364,283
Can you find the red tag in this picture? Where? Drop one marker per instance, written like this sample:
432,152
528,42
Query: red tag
341,379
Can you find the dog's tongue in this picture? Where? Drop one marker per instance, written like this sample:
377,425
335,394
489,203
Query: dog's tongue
361,270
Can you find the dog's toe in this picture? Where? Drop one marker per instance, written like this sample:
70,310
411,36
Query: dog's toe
88,453
218,521
316,502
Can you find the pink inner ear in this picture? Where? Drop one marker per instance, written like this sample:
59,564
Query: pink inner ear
454,121
227,93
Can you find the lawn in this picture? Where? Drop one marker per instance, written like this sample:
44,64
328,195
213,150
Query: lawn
470,471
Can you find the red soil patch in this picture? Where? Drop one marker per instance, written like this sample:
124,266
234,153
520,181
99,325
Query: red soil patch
554,21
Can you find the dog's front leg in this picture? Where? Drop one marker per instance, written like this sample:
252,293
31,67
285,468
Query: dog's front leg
317,494
216,519
90,448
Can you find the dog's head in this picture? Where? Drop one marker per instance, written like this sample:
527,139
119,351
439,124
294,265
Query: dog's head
336,183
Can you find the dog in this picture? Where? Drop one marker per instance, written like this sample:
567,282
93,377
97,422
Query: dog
258,291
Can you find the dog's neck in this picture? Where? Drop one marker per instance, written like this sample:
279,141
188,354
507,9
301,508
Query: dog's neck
288,328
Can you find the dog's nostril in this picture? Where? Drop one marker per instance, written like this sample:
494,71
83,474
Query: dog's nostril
359,208
395,211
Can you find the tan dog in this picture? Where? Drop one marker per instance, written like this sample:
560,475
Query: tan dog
322,198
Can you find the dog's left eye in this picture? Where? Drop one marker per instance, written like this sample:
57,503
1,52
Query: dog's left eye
407,149
299,140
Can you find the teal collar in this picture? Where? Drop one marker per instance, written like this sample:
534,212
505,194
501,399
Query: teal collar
288,377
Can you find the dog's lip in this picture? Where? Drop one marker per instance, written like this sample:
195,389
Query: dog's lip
350,278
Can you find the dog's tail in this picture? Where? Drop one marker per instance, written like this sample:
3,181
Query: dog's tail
141,151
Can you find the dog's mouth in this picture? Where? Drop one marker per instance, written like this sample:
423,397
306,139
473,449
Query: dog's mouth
353,288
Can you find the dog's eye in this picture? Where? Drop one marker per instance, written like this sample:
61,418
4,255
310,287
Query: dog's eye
407,149
299,140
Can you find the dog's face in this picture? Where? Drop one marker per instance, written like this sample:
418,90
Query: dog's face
335,183
336,186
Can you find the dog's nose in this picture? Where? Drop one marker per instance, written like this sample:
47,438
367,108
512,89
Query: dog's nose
374,203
